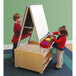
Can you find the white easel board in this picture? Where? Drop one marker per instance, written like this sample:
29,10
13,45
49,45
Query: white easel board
39,20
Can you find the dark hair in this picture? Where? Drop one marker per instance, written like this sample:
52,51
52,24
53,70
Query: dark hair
16,16
63,30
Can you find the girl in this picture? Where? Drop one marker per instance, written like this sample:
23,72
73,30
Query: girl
59,45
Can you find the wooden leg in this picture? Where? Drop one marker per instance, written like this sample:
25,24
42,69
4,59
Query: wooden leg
41,72
16,66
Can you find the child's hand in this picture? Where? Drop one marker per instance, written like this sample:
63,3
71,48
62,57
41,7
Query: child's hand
52,37
52,34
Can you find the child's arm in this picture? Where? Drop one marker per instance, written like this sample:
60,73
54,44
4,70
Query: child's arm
60,40
54,33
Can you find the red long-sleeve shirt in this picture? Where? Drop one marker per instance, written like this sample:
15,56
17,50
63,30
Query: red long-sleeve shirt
61,41
17,29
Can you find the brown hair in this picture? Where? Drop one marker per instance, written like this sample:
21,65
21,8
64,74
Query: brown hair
16,16
63,30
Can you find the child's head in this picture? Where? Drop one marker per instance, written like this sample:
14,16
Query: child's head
17,17
63,31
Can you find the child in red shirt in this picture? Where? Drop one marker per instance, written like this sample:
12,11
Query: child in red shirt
17,29
59,45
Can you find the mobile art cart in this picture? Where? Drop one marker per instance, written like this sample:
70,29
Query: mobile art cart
34,55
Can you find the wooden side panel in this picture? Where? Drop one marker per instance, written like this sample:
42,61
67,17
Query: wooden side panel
30,57
29,60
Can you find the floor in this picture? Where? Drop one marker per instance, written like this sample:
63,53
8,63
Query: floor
10,70
69,46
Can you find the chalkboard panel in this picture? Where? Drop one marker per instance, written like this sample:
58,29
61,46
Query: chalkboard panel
28,23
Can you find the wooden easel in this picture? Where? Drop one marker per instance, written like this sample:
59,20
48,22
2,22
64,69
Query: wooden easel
31,55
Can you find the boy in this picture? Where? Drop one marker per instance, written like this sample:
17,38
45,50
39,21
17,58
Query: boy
17,29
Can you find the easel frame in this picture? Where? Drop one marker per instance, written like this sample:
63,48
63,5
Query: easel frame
27,27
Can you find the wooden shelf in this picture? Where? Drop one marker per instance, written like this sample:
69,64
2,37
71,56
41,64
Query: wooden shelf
29,27
45,60
46,63
45,52
30,47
